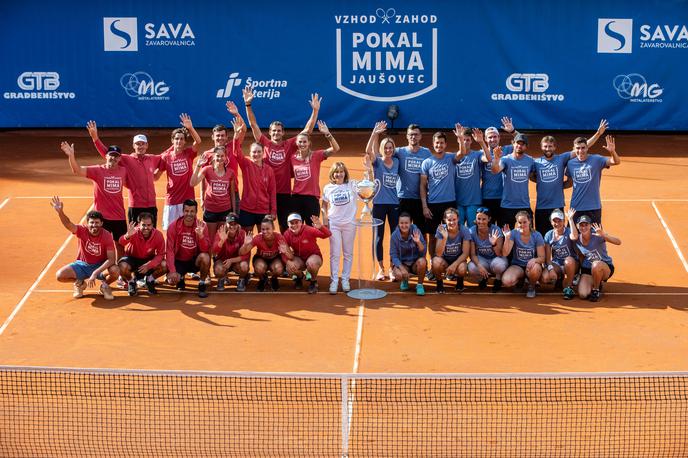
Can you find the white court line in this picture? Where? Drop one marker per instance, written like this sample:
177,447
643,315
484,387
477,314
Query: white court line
359,336
40,277
4,202
671,237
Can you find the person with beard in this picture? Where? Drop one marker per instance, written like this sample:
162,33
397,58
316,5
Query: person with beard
516,168
492,183
411,158
144,254
467,179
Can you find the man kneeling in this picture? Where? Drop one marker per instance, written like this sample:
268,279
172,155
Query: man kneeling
228,240
144,252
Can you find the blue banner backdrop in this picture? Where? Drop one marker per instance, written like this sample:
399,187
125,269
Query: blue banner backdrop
549,65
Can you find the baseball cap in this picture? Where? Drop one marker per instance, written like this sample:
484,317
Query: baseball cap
232,218
521,138
584,219
293,217
114,149
140,138
557,214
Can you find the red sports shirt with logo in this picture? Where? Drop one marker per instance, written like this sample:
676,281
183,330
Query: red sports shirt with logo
151,249
108,185
307,173
179,169
277,156
230,249
304,244
93,249
183,243
258,194
218,196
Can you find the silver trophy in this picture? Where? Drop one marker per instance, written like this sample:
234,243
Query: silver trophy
366,189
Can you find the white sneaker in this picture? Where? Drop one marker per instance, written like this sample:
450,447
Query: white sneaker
121,283
106,291
391,275
346,286
333,287
79,287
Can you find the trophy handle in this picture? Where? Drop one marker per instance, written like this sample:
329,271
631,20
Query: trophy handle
378,187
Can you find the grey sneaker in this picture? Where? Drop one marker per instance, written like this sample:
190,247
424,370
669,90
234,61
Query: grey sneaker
531,292
79,287
106,291
221,283
241,285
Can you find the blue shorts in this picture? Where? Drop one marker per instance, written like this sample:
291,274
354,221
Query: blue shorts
84,270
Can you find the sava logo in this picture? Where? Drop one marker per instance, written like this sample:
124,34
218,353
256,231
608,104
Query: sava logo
615,36
386,57
39,85
634,88
262,89
664,36
121,34
528,86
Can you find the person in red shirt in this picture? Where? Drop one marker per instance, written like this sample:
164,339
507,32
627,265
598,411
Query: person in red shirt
277,151
305,165
140,168
96,257
144,254
187,249
270,249
108,183
229,239
219,187
258,196
304,252
177,162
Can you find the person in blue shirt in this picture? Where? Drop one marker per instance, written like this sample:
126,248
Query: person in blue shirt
591,243
561,262
516,169
585,171
407,249
468,172
386,202
527,249
410,159
492,186
487,243
451,250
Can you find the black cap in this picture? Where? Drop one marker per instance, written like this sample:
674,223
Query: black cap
521,138
584,219
114,149
232,218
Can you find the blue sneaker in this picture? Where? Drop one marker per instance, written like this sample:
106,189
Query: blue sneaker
404,286
420,290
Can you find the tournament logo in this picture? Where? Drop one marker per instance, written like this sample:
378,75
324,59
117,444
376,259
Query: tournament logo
464,169
302,172
561,252
39,85
113,185
179,167
615,36
120,34
582,174
519,174
525,253
528,87
262,89
386,56
93,248
549,174
634,88
340,198
277,157
413,164
593,255
439,171
389,180
219,188
142,86
188,241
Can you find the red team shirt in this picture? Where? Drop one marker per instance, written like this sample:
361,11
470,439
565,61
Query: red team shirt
218,197
230,160
179,169
304,243
140,181
183,243
151,249
268,252
278,157
230,249
93,249
258,194
107,190
307,174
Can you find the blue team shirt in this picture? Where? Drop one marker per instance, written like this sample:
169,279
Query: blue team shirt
389,178
454,246
409,170
562,248
440,173
595,250
492,182
586,178
516,175
467,180
549,179
483,247
521,253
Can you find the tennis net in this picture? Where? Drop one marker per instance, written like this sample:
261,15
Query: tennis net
93,412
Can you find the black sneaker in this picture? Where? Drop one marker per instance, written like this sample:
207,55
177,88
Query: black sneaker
274,283
150,286
131,287
241,285
313,287
459,284
440,287
298,283
482,284
429,275
496,286
202,289
181,286
261,284
594,295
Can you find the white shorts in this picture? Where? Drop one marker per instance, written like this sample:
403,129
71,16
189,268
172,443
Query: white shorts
170,214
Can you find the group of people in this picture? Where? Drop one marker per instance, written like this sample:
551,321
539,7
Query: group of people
456,206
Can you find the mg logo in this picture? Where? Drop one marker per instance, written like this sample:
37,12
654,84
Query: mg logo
527,82
120,34
38,81
615,36
634,87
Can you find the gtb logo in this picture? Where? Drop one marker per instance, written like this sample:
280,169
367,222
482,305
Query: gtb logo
615,36
527,82
232,82
120,34
39,81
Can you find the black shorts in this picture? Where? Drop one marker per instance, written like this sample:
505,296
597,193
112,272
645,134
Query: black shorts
414,207
587,271
495,208
185,267
306,206
437,210
283,205
542,222
595,215
215,217
508,215
248,219
135,263
266,260
134,212
117,227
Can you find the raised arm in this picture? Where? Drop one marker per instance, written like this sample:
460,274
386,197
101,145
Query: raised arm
602,233
248,100
93,133
334,146
600,131
315,108
69,151
572,224
186,122
508,126
508,243
479,137
234,111
458,129
58,206
496,160
611,147
373,146
197,175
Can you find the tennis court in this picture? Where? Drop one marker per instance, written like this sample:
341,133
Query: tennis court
640,324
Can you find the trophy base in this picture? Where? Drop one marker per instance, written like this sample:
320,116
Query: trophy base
366,293
372,222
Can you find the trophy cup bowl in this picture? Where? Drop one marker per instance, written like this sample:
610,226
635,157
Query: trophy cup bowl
366,190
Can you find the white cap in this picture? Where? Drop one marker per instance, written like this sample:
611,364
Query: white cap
140,138
294,216
557,214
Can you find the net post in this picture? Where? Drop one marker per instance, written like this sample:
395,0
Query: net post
345,416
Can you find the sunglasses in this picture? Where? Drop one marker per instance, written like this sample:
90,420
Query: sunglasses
483,210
